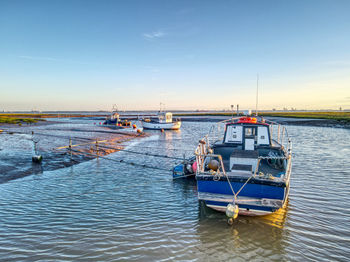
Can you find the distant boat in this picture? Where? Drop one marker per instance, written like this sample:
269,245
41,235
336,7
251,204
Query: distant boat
247,172
114,119
162,121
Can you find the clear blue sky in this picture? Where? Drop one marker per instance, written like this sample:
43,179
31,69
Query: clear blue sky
89,55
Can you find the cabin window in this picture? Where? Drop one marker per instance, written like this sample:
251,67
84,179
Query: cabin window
249,131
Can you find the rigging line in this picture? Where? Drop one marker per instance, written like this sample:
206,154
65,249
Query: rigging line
97,131
256,169
83,138
122,161
141,153
164,148
80,138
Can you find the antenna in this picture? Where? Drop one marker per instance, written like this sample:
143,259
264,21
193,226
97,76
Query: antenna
257,94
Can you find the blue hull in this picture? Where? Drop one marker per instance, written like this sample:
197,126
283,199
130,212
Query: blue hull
254,199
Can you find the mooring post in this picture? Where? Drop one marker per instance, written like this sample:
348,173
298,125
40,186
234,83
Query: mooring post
70,148
97,148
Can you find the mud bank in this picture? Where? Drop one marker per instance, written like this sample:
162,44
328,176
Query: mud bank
52,139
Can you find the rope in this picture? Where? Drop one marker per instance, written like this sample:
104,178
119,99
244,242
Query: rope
248,178
122,161
140,153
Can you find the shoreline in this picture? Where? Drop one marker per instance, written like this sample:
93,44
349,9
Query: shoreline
281,120
16,146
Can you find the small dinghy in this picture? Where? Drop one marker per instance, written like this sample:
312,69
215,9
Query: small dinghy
247,171
162,121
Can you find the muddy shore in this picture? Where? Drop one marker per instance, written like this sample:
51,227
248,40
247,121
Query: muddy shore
52,139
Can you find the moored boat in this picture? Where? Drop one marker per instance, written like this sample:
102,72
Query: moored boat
114,120
247,171
162,121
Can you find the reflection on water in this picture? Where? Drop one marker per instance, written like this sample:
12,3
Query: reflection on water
107,211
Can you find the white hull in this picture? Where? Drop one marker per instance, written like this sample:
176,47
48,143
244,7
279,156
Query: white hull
242,211
159,126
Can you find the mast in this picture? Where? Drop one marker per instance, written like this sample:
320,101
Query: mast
257,93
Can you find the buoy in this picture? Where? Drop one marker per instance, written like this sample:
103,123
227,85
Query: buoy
37,159
94,123
134,126
162,130
194,167
231,212
213,164
100,123
139,131
1,131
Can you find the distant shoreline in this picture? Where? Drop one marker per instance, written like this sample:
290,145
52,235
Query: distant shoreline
339,119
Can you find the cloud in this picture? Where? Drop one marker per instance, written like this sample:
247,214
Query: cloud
154,35
38,58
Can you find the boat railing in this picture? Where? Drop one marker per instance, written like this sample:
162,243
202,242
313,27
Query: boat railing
279,134
202,152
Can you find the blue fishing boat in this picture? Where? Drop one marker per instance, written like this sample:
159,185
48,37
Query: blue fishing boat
115,121
247,171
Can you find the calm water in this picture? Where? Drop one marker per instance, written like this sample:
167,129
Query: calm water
106,211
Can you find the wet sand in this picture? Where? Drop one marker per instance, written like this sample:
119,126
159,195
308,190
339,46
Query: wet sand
52,137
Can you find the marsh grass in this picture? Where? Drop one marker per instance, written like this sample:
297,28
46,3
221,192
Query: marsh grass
16,120
340,116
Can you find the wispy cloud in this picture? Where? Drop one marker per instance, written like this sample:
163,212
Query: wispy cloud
154,35
39,58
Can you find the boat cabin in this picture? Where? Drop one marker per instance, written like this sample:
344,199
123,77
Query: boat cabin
245,140
115,116
165,117
248,133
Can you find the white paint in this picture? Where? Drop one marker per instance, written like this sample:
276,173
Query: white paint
263,135
249,144
234,134
165,126
244,161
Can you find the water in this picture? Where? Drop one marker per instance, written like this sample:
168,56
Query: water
106,211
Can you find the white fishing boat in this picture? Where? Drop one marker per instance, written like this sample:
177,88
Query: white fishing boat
162,121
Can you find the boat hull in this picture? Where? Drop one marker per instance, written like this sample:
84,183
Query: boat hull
159,126
255,199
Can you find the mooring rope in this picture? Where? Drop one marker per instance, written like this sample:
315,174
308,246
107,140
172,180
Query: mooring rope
141,153
122,161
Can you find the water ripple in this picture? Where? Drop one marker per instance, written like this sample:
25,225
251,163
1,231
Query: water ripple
105,211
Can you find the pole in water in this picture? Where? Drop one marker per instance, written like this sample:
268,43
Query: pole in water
36,158
97,148
257,93
70,148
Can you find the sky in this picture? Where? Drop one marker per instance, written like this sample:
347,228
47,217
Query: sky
90,55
